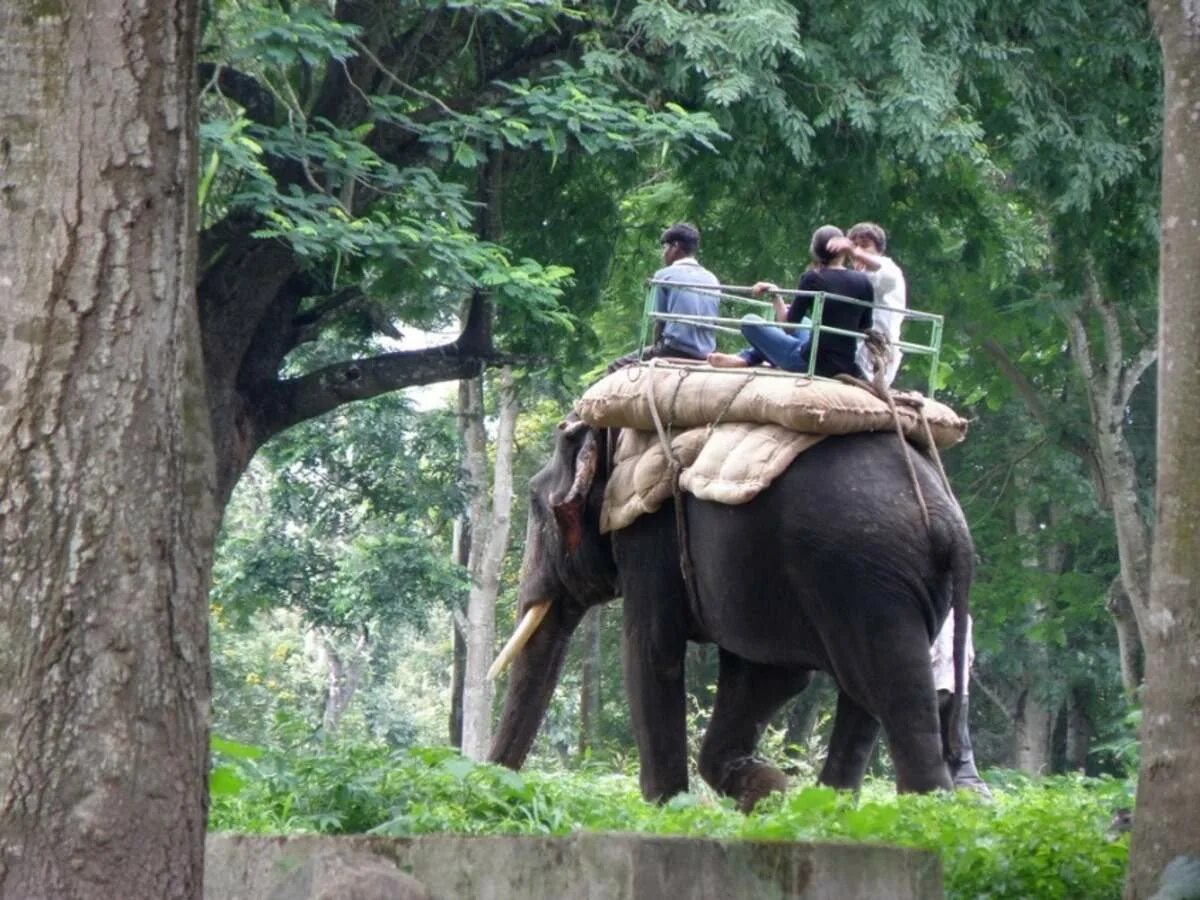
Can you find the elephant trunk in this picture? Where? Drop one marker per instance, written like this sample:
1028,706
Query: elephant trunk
531,684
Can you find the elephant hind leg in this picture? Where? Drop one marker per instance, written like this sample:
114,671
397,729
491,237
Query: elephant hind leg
850,746
890,676
915,740
748,696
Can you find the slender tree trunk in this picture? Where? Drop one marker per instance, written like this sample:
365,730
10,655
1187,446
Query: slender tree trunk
490,529
589,689
343,679
1079,732
1109,381
107,476
1032,719
1031,734
479,631
458,624
1167,818
458,677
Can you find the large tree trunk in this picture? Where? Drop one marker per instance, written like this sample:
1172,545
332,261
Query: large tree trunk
107,478
489,530
1167,819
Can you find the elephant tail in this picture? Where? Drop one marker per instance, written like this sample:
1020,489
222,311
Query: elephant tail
962,569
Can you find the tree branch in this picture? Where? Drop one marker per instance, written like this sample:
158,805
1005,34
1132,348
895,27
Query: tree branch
299,399
243,89
1133,373
1114,345
1071,442
993,696
1081,348
1028,392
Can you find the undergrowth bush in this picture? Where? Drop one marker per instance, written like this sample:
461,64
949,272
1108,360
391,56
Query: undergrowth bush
1043,838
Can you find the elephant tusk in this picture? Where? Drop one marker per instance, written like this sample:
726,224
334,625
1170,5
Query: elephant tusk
520,637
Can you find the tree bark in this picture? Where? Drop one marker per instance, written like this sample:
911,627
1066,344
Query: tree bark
1128,645
1079,732
1031,733
1109,382
107,476
458,675
589,688
489,529
1032,718
458,670
1167,818
343,679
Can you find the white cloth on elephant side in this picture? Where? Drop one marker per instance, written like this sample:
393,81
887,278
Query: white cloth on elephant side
942,655
690,396
729,463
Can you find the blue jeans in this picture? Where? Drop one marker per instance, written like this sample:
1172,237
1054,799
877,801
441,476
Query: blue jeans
787,350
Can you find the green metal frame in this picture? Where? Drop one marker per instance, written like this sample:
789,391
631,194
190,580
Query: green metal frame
728,325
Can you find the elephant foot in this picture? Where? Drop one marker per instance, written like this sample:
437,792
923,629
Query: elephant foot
749,780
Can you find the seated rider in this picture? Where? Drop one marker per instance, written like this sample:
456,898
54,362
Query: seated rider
687,340
866,243
789,350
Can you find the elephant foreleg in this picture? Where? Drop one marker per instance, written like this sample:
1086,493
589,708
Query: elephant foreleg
850,746
748,696
654,668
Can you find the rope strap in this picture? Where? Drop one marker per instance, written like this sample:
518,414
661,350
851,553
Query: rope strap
681,533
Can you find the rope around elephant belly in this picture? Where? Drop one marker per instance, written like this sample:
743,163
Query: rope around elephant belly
676,469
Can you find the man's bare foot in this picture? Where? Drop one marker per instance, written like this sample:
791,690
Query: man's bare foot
726,361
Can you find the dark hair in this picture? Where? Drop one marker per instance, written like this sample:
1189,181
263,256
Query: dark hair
818,247
872,232
683,233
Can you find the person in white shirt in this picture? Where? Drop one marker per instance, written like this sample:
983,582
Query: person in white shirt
866,244
962,769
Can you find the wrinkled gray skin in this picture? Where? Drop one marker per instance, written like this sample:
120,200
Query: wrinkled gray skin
830,568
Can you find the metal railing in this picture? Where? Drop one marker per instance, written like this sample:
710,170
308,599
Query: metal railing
730,325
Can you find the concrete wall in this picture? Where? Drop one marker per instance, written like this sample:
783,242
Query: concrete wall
579,867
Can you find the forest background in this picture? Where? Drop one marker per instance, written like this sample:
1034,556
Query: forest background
538,150
397,195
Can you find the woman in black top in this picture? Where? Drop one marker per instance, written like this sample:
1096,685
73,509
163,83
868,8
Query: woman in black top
789,350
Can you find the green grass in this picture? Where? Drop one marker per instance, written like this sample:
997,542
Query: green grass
1043,838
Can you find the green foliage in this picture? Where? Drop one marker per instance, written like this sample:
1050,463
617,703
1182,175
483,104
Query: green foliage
348,522
374,188
1043,839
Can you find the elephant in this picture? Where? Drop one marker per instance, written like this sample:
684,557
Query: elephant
831,567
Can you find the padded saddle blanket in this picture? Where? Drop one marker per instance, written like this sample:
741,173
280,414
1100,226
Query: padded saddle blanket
687,397
762,424
730,464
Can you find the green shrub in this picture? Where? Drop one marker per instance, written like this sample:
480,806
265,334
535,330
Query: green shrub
1043,838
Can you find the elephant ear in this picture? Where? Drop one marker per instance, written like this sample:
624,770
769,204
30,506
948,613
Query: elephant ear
568,511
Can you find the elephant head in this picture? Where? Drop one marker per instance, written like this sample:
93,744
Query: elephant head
567,568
